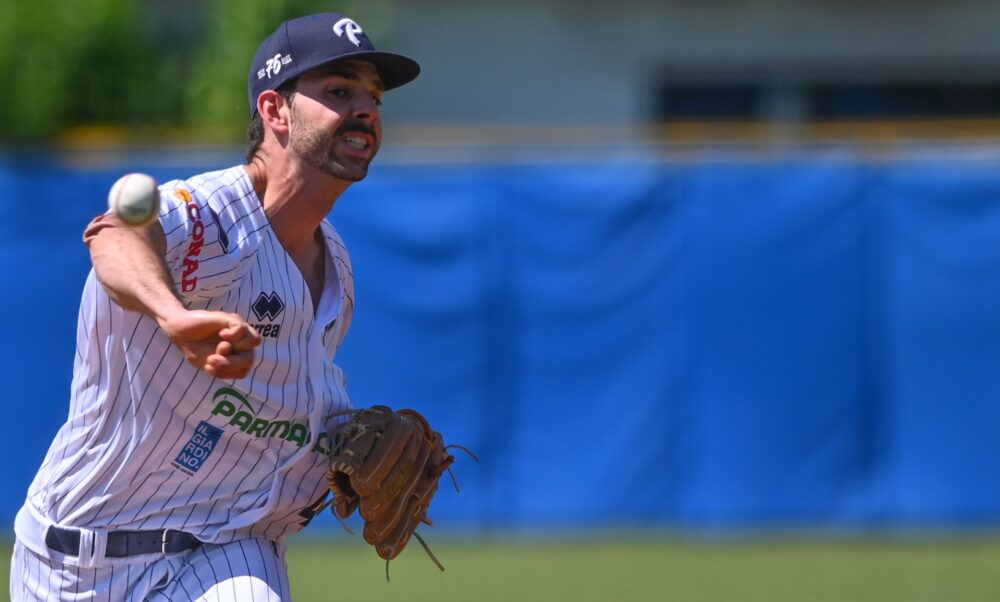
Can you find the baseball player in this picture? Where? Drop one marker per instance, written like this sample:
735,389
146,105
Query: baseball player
204,385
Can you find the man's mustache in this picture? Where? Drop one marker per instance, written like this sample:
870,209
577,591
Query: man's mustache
357,126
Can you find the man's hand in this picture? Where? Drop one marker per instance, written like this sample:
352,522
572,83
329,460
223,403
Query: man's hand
221,344
129,264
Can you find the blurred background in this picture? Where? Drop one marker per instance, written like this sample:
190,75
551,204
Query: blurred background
711,288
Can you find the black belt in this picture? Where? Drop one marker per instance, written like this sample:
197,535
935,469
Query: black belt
125,543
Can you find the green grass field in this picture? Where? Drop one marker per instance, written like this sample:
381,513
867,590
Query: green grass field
657,571
639,571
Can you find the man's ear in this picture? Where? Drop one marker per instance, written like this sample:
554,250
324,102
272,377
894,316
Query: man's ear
273,110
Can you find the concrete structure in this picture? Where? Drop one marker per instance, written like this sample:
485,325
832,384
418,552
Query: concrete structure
588,62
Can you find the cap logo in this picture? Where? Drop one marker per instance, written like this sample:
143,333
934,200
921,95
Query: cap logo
273,66
349,28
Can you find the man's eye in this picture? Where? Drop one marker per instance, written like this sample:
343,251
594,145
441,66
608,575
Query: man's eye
338,92
378,100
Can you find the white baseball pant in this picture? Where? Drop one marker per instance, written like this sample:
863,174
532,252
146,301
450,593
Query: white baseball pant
246,570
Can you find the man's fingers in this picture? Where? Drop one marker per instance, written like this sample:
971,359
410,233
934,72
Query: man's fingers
196,353
203,325
236,365
221,344
221,359
242,335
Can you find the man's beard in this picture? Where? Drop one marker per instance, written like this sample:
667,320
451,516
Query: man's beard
317,148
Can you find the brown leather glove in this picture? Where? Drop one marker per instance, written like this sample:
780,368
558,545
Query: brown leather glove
387,463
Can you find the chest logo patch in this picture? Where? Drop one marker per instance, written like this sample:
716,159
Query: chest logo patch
268,307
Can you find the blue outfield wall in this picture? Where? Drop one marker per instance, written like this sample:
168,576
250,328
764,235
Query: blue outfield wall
705,345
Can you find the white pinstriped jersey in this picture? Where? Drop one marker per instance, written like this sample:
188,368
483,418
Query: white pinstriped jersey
152,442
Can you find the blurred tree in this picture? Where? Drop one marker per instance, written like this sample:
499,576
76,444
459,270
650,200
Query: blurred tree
216,95
141,64
66,66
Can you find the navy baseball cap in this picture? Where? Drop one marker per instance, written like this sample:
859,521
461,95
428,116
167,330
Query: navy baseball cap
307,42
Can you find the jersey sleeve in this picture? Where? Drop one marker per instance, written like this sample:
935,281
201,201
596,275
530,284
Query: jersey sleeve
199,257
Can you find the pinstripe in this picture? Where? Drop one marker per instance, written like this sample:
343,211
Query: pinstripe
212,566
249,569
219,484
20,574
187,594
233,582
141,486
38,576
122,451
178,493
246,563
37,586
111,585
130,592
82,458
286,352
131,376
38,579
266,284
282,574
136,403
209,194
268,578
194,572
64,435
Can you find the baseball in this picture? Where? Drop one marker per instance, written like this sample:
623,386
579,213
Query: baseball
135,199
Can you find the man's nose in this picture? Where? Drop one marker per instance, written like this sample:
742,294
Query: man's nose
366,109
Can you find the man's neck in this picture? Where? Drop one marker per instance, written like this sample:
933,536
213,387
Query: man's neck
295,199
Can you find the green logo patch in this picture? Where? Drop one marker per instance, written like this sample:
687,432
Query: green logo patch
231,404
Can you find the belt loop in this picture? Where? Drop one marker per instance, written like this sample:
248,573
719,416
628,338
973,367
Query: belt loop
163,542
93,546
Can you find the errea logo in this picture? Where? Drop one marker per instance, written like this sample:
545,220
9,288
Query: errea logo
268,307
349,28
